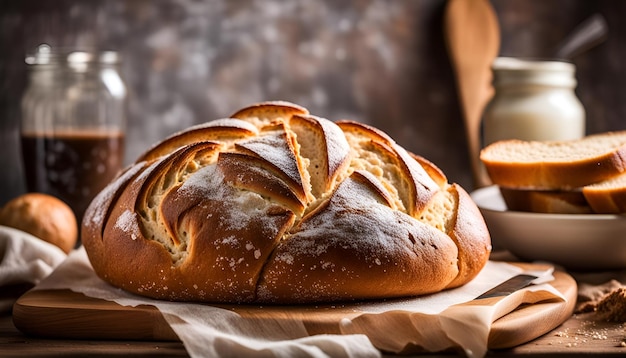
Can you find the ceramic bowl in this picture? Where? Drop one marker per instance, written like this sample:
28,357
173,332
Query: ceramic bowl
576,241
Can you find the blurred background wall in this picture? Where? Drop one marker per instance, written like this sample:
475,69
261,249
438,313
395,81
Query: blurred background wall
381,62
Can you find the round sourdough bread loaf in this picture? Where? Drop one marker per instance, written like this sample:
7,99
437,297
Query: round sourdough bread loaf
274,205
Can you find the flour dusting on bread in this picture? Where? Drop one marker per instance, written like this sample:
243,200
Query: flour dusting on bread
275,205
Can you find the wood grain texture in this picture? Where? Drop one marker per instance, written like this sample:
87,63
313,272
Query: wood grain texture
67,314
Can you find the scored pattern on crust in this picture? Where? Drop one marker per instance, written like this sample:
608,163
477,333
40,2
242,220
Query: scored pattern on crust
277,205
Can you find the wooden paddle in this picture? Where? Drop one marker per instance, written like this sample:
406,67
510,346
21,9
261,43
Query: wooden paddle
473,41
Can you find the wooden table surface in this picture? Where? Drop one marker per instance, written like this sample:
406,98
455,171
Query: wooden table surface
581,335
577,337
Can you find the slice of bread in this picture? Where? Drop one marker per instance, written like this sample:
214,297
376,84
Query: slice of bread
546,201
607,197
556,165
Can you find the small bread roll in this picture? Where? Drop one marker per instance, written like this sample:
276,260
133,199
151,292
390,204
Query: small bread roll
43,216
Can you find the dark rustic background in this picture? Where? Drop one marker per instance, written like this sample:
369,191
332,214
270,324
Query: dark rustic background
379,62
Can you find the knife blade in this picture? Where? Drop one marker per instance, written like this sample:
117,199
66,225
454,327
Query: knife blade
509,286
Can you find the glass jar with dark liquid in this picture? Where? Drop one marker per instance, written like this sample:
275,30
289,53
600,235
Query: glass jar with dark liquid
73,123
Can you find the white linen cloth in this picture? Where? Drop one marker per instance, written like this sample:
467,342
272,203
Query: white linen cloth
211,331
24,259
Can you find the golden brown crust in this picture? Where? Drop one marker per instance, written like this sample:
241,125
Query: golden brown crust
374,134
606,201
267,112
300,211
471,236
222,129
545,176
43,216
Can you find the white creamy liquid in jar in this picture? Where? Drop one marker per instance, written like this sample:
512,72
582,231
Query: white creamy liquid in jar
534,100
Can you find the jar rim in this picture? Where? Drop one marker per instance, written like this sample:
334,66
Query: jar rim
47,55
531,64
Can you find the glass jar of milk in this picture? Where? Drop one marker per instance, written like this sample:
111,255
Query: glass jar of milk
534,100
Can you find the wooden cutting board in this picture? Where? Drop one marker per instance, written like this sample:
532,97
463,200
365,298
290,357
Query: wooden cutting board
67,314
